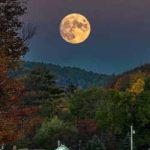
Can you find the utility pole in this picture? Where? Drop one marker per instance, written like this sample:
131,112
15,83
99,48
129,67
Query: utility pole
58,143
131,137
2,147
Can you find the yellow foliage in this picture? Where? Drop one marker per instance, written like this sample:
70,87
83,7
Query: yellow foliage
137,87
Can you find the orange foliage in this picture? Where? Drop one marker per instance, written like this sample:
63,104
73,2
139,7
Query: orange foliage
15,120
13,116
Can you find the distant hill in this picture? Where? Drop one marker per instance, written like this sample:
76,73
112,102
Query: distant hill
70,75
122,81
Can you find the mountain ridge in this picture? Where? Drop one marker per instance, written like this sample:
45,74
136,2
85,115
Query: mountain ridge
66,75
82,78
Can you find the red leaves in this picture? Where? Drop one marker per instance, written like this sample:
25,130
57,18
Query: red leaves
13,115
15,119
14,98
16,122
26,111
86,126
8,130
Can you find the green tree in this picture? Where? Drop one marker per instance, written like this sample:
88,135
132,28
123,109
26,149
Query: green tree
71,89
42,90
142,116
125,143
53,130
114,111
114,116
147,84
83,103
40,85
95,144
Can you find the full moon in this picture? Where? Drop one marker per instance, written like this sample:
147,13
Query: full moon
75,28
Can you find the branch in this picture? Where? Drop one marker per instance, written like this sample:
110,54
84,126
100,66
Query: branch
28,32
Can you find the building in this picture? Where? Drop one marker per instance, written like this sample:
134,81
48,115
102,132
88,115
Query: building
62,147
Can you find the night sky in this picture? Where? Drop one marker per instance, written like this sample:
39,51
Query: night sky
120,38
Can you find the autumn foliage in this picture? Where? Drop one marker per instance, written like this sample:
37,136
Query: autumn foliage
15,119
86,126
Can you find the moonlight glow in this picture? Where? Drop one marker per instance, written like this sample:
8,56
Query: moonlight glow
75,28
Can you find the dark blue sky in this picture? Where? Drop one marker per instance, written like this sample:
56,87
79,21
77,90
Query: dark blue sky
120,38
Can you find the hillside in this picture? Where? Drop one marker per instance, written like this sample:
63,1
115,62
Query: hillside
123,80
70,75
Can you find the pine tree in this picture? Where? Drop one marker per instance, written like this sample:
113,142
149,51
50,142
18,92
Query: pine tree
42,90
95,144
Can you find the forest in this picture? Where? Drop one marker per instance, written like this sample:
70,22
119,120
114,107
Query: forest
84,110
65,76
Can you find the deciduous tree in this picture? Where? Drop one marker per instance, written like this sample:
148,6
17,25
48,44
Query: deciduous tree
12,48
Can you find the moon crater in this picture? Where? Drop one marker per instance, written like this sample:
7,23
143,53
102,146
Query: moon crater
75,28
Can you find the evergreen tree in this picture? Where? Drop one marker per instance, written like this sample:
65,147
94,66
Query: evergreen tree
42,90
95,144
147,84
41,86
125,144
